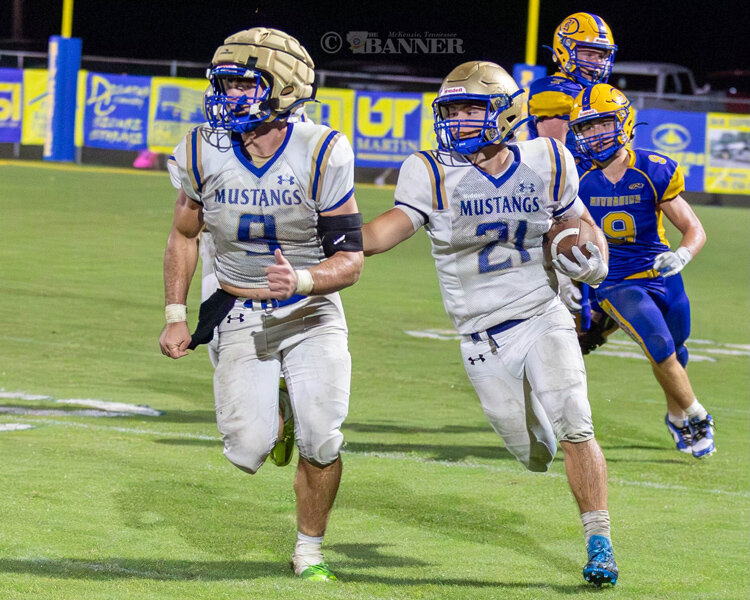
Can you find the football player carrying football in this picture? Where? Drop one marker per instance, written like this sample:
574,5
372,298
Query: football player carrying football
486,205
628,192
277,198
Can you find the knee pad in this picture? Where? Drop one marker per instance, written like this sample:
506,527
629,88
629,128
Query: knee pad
659,347
682,355
325,452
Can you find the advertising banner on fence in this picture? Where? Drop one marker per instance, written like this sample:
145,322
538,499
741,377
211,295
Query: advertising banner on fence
34,106
728,152
11,101
116,111
679,135
388,128
176,107
334,108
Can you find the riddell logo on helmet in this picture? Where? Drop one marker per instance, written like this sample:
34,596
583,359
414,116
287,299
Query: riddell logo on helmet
453,90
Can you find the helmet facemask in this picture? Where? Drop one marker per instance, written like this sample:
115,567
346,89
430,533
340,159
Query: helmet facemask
237,113
587,72
602,146
495,127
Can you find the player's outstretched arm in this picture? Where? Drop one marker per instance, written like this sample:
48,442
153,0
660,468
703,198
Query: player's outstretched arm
682,216
342,267
180,260
386,231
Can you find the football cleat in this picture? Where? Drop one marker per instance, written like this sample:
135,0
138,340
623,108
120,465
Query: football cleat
703,436
319,572
682,437
282,452
601,568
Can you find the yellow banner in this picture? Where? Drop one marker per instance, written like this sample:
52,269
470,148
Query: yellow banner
334,108
34,107
728,153
176,107
428,141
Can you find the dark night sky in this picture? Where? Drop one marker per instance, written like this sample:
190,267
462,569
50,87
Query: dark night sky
702,34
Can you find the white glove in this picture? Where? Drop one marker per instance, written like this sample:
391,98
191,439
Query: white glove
592,270
671,263
569,293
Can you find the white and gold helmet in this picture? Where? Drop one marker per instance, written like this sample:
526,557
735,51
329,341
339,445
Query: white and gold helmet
483,83
282,72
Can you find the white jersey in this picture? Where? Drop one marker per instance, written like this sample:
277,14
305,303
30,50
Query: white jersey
252,210
487,232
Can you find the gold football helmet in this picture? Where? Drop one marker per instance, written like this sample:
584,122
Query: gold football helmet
584,31
483,83
279,69
601,103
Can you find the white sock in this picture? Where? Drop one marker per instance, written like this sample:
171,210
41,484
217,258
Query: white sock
595,522
307,552
696,410
677,421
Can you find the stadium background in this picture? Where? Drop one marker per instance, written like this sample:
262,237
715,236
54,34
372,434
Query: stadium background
383,121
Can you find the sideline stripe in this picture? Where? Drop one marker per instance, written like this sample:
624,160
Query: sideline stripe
37,164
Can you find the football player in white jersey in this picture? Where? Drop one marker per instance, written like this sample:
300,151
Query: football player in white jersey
277,198
486,205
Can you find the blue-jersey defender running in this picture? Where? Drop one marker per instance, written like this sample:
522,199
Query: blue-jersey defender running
628,192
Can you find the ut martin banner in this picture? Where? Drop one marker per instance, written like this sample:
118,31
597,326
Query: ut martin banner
11,101
387,128
116,111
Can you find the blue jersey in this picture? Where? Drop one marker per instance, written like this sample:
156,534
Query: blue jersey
552,97
629,211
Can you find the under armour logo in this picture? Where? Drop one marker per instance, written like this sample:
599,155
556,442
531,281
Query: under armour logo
473,360
240,318
286,179
526,187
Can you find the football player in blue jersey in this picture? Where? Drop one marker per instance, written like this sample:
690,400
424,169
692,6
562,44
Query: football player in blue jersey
584,50
628,192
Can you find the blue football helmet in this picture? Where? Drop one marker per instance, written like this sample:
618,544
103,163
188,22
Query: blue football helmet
486,84
600,103
279,74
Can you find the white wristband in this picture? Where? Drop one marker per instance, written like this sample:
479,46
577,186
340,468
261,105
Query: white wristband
684,255
305,282
175,313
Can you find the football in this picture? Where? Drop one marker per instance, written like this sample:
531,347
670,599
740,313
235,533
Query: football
567,232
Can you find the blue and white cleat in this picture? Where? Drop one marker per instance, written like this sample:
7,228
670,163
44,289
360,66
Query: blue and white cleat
682,437
601,568
702,433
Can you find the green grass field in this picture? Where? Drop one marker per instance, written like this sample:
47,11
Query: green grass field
431,505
